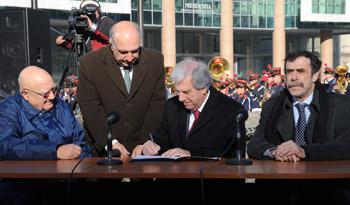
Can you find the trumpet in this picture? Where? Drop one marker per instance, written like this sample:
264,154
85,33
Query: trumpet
342,82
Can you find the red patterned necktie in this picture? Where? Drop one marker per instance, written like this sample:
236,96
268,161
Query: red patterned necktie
196,116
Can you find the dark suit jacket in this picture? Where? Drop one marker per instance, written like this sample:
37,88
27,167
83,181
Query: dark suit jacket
212,133
335,145
101,90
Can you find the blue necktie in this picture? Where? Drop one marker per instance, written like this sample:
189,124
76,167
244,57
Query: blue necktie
301,125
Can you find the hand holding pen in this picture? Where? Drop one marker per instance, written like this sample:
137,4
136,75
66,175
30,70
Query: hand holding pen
150,147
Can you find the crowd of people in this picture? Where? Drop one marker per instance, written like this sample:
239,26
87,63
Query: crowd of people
252,90
300,119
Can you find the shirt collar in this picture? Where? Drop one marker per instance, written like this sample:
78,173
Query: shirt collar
204,102
307,101
30,111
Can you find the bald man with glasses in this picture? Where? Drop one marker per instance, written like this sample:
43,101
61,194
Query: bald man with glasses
34,124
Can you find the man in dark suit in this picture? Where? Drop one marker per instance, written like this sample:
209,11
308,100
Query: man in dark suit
305,123
200,121
123,77
320,130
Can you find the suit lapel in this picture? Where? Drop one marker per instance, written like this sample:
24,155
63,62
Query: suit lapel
314,113
310,126
285,126
113,70
139,72
207,113
183,119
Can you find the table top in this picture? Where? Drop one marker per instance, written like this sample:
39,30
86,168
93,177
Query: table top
88,168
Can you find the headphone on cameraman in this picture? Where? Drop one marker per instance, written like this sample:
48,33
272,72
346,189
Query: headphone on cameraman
91,2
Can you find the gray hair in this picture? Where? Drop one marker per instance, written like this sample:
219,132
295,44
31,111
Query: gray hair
190,67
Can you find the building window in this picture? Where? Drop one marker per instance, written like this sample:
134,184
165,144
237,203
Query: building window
157,5
262,22
188,19
244,21
147,17
179,5
216,20
147,4
157,18
236,8
217,6
179,19
328,6
254,22
237,21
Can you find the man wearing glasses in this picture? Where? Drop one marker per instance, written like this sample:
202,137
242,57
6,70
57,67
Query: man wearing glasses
123,77
36,125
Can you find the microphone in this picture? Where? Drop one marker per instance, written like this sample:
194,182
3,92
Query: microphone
240,119
242,116
112,117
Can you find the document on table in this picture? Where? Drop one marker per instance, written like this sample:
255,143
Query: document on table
161,158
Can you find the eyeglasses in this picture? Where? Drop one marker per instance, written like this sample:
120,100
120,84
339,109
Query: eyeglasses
133,52
45,95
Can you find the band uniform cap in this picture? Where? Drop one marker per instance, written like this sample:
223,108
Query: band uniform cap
275,71
253,76
328,70
89,3
264,78
240,83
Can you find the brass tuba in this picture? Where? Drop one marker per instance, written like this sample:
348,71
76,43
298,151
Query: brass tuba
218,68
342,82
169,83
265,97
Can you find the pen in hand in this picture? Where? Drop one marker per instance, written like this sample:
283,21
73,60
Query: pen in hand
151,137
155,148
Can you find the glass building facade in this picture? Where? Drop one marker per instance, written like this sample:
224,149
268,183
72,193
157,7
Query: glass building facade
198,25
328,7
198,29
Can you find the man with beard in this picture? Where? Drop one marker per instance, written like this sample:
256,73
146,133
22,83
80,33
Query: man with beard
305,123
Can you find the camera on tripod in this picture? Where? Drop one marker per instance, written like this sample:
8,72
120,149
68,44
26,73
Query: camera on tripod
79,22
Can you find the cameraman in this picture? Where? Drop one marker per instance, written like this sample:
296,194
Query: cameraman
97,31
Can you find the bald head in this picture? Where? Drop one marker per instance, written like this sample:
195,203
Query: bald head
33,77
37,87
125,40
125,32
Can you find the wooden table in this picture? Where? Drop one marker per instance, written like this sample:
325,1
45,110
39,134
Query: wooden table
185,169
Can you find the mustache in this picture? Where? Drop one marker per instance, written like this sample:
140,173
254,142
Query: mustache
295,84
